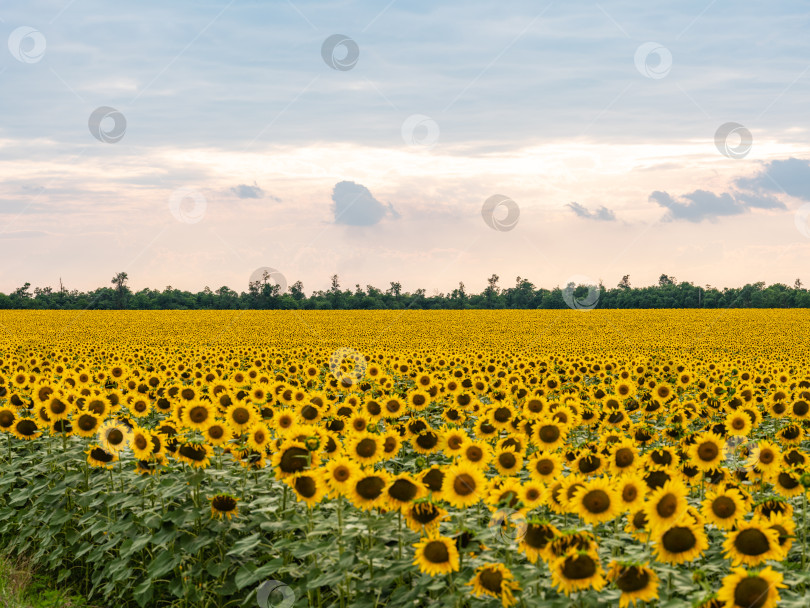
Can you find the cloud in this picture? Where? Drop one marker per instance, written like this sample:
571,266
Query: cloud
22,234
791,176
245,191
602,214
698,205
354,205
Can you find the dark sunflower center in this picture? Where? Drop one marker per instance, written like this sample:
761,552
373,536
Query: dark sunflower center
58,407
389,445
6,418
373,408
198,414
393,406
436,552
787,481
115,436
624,457
661,457
579,567
370,487
187,394
425,513
507,460
707,451
549,433
434,479
240,415
464,485
545,466
101,455
678,539
633,579
192,452
640,520
86,422
366,448
724,507
306,486
216,432
752,542
667,505
418,400
491,580
766,456
800,408
752,592
294,459
224,504
140,442
474,453
487,428
596,501
535,406
538,536
341,473
629,493
454,442
590,463
309,412
403,490
738,423
427,440
502,414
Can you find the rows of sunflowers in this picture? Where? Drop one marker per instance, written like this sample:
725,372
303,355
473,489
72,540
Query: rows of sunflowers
471,458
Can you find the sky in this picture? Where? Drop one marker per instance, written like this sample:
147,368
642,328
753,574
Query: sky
191,143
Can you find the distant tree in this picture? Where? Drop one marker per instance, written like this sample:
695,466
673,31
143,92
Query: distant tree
625,282
121,289
665,280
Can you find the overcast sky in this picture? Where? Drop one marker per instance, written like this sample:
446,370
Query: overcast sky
189,143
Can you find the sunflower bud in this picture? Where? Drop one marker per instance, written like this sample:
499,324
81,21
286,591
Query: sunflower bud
312,443
698,576
805,480
420,463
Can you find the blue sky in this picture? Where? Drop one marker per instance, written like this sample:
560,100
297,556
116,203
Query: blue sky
241,143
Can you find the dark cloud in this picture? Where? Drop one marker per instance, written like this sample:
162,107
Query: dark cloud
245,191
354,205
602,214
791,176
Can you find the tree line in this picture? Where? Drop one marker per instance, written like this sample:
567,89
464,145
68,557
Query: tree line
265,294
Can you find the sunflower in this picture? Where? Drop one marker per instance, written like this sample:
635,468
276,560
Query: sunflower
724,508
58,408
596,501
338,473
423,516
679,543
148,467
258,436
544,466
508,461
623,457
453,441
98,457
292,457
140,442
195,454
418,400
463,486
549,434
426,442
637,582
224,506
86,424
742,589
436,555
241,416
217,433
707,452
632,491
366,490
738,424
403,490
477,454
309,488
588,464
765,458
535,540
751,543
365,447
532,494
495,580
197,415
666,505
577,570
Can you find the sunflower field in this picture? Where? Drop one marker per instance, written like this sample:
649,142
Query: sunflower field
416,458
